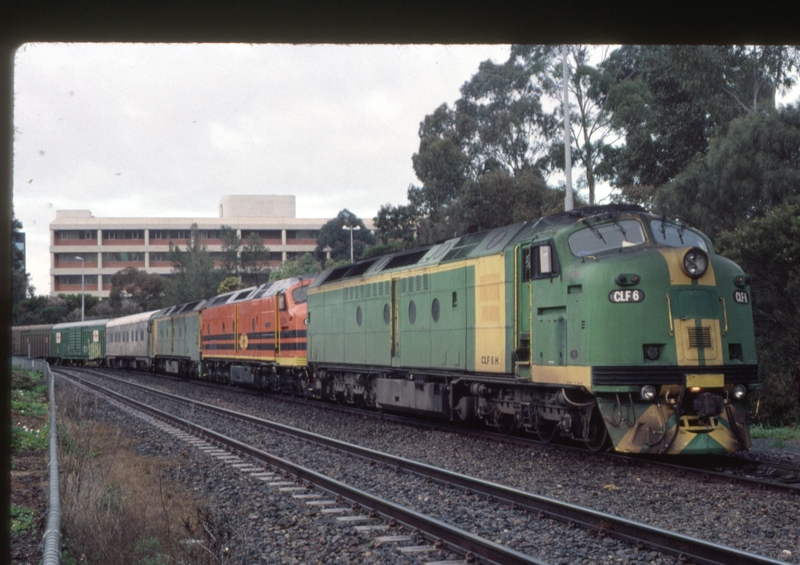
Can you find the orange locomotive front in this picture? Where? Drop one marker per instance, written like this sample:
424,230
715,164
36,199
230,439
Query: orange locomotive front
257,336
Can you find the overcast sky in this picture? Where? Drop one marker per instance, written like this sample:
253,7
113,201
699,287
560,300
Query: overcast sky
130,130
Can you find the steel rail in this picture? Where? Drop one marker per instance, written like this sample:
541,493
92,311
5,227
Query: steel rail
700,473
673,543
456,539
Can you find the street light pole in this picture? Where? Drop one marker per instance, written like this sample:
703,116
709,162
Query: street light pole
351,228
83,270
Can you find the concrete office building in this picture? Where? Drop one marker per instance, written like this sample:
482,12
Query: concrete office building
103,246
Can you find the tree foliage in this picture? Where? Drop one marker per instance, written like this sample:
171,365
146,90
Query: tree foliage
751,168
486,200
304,265
334,235
593,131
20,280
254,260
670,100
231,246
193,274
768,249
35,310
146,291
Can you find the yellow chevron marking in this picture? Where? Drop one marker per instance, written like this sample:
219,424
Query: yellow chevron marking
677,276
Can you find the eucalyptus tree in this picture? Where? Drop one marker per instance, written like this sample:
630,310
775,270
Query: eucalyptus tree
193,274
753,167
593,130
255,260
768,249
670,100
20,280
231,248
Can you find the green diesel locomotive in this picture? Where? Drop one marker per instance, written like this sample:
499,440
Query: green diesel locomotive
607,325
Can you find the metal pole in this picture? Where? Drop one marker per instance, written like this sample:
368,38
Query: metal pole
567,137
83,270
351,244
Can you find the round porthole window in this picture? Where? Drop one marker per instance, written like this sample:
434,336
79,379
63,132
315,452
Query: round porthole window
386,314
358,316
412,312
435,310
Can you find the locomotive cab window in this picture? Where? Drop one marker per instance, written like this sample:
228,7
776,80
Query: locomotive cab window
300,295
539,262
610,235
676,235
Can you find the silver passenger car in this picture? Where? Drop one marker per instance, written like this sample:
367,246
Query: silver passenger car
128,341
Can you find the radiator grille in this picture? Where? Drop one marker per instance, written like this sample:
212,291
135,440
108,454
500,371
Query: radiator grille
700,338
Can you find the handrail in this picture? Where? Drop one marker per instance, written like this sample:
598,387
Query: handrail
51,554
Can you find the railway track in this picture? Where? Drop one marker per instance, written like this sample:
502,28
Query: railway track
732,469
685,548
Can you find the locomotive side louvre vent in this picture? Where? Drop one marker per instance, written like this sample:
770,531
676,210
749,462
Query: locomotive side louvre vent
416,283
700,338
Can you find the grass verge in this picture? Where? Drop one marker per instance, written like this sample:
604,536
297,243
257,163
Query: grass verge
780,435
29,437
118,506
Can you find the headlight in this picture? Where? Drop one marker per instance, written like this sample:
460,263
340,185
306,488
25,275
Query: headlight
739,391
695,262
648,392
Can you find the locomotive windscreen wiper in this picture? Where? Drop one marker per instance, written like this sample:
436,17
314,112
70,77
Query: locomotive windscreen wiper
595,231
616,223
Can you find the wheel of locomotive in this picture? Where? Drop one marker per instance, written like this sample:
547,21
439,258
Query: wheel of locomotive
370,397
597,438
359,401
505,424
547,430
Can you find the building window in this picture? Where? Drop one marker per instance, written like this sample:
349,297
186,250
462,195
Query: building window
76,234
106,280
123,234
167,235
123,257
302,234
76,279
209,234
76,257
159,257
263,234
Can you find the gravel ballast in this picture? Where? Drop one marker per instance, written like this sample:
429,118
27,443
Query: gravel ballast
271,527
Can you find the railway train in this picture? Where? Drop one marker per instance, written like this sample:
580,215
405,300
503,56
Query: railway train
608,325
